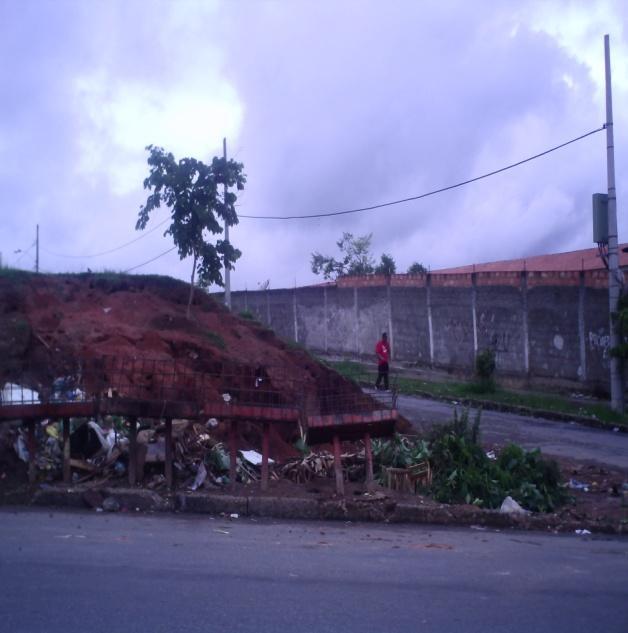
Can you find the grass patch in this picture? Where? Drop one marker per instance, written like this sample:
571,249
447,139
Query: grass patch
469,391
15,274
247,314
215,339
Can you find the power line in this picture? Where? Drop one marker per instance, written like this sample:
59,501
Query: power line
111,250
422,195
28,250
128,270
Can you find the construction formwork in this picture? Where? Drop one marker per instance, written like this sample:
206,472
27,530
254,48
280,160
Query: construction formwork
165,389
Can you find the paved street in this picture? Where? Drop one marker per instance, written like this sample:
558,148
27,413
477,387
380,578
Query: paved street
77,572
562,439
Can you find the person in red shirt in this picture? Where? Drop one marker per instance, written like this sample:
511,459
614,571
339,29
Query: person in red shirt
382,350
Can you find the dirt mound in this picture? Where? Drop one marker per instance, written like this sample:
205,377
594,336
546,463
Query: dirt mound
54,325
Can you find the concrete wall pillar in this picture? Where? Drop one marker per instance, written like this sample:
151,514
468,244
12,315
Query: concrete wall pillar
430,329
294,315
325,319
474,315
524,322
582,373
356,321
391,336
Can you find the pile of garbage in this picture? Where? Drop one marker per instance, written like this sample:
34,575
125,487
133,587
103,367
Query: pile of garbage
99,451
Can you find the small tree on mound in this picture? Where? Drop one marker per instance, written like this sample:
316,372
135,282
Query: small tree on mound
191,190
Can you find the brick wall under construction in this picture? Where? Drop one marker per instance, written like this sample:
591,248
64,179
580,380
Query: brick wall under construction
542,325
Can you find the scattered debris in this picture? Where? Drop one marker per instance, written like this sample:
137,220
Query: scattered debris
111,504
583,532
574,484
510,506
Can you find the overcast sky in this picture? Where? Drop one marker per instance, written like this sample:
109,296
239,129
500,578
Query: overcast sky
330,105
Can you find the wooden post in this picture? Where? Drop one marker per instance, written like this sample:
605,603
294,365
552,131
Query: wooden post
369,461
132,450
265,449
233,453
340,484
168,457
32,452
67,469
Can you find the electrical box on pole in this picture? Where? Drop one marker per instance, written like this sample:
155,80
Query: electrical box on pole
600,218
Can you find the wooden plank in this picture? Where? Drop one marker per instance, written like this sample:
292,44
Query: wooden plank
340,484
233,453
67,467
368,452
32,452
168,460
132,451
265,450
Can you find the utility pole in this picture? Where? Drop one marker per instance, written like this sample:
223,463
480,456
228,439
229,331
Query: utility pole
37,250
615,279
227,269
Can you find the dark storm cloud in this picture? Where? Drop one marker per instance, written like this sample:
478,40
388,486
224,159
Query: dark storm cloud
343,104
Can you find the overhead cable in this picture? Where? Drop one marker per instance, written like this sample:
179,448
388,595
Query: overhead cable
128,270
422,195
111,250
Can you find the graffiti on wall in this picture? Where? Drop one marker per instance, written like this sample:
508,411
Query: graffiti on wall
600,342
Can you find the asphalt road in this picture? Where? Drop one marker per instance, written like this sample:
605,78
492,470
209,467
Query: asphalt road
78,572
562,439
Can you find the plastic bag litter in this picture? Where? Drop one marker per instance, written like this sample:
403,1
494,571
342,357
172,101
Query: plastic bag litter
253,457
13,393
20,448
574,484
201,475
510,506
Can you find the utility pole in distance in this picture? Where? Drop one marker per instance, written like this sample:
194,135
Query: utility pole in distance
614,281
37,250
227,269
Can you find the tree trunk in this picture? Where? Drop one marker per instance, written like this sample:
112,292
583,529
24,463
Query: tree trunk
187,314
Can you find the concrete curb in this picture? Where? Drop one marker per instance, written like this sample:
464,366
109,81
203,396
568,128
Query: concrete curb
299,508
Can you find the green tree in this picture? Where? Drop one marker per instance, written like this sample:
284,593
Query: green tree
355,259
192,192
417,269
386,266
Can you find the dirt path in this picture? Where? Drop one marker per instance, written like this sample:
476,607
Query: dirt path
560,439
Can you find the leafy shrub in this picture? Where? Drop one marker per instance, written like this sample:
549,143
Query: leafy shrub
399,451
462,473
485,371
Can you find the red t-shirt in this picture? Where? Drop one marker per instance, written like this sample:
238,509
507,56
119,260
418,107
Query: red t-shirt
382,350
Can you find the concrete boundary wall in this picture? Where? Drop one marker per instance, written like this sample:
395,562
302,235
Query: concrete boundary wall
541,325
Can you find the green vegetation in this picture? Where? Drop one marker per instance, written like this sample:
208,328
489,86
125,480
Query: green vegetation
416,268
193,193
485,371
246,314
467,393
463,473
386,266
15,274
215,339
400,451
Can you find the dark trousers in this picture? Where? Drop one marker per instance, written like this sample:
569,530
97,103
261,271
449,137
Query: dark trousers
382,374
